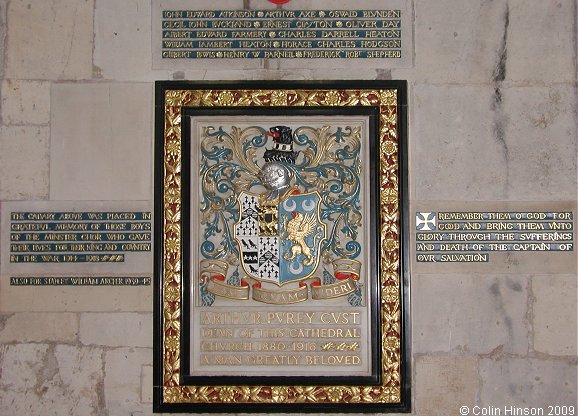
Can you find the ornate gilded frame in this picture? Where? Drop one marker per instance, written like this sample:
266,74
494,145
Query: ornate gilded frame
172,392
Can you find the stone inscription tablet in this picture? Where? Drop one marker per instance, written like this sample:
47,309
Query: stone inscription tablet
447,237
374,32
52,244
271,341
59,237
253,34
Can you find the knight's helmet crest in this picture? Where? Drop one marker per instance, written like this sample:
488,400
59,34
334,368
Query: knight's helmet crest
283,146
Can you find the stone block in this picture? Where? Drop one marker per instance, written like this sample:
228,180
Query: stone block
554,311
39,327
146,391
3,7
25,102
21,365
539,142
456,41
443,384
114,38
122,382
527,382
457,156
24,159
48,380
469,313
477,143
541,55
116,329
101,142
49,40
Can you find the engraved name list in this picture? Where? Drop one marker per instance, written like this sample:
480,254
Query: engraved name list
273,34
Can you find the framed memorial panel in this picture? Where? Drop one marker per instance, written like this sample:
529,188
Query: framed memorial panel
281,277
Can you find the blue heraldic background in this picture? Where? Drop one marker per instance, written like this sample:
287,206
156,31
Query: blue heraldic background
302,210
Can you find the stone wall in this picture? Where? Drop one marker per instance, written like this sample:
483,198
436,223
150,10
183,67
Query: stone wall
492,125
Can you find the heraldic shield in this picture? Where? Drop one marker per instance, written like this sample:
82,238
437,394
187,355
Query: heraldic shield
280,240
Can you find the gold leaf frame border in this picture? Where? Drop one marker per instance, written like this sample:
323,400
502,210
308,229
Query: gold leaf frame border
390,273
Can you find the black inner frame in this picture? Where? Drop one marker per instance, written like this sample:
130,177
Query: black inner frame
373,251
158,404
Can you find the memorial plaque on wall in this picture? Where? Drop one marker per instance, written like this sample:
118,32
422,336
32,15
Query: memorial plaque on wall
373,33
537,237
56,243
281,271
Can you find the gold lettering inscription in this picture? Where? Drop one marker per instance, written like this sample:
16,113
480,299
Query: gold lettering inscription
340,317
60,237
290,317
35,216
384,54
221,359
340,34
72,227
215,44
445,216
546,236
176,54
324,333
343,346
499,226
117,216
278,318
271,333
276,360
276,24
530,226
336,44
499,216
332,360
384,14
217,332
278,338
217,346
272,346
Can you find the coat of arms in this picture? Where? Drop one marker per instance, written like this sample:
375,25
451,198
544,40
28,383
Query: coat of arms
281,212
280,242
